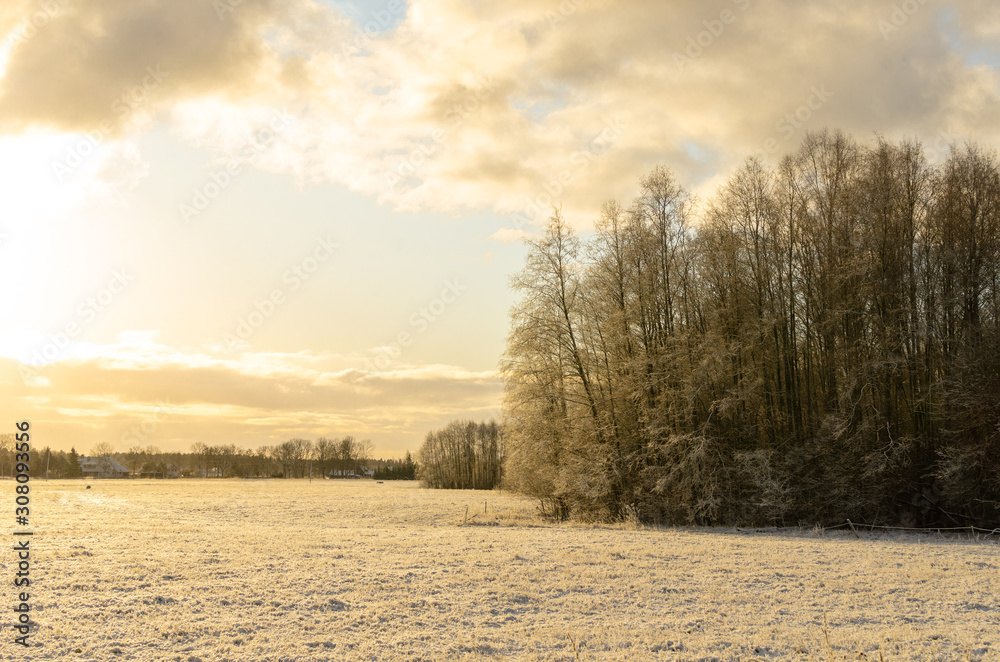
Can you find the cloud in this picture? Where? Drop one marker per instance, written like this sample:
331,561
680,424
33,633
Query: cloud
94,63
979,19
507,105
248,399
516,106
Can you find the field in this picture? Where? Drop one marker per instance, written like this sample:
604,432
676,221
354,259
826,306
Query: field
354,570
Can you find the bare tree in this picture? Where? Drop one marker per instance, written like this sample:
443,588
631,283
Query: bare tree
6,453
463,455
104,454
806,351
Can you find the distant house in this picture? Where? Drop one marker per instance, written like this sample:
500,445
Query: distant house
160,471
102,467
351,473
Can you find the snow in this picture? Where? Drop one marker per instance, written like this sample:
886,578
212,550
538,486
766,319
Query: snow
206,570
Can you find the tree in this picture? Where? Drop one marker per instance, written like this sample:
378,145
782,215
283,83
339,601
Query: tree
301,453
104,454
202,457
325,451
463,456
135,457
73,469
404,470
284,454
7,440
362,452
812,349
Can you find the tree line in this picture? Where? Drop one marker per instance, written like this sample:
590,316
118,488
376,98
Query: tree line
464,455
295,458
819,341
404,470
60,464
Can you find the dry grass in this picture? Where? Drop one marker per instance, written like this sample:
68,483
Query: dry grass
291,570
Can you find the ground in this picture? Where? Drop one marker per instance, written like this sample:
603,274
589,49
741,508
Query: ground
206,570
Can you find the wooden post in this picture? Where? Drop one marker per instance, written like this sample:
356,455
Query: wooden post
853,529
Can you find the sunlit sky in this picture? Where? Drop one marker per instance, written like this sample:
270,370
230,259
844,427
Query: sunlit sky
242,221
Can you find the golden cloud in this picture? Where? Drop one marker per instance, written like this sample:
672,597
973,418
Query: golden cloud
514,105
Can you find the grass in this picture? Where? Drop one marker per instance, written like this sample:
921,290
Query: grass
330,570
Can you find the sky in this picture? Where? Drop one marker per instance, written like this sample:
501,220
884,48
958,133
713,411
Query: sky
242,221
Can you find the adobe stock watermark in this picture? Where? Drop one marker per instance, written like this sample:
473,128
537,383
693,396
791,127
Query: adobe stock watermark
292,279
579,161
141,432
940,148
900,16
29,27
223,8
790,124
86,312
562,13
714,28
419,321
793,121
408,166
364,35
131,100
222,178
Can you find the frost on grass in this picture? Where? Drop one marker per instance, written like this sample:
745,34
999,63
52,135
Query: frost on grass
353,570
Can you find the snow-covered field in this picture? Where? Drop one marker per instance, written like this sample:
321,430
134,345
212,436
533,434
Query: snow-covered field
354,570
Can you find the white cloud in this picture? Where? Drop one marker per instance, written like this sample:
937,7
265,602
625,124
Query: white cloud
497,105
247,399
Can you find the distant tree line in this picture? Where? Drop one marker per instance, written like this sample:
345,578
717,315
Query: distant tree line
60,464
404,470
295,458
463,456
821,341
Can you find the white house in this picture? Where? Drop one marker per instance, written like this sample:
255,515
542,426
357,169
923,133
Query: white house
160,471
102,467
351,473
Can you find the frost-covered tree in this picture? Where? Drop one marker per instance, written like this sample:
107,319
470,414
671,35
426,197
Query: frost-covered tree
814,344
